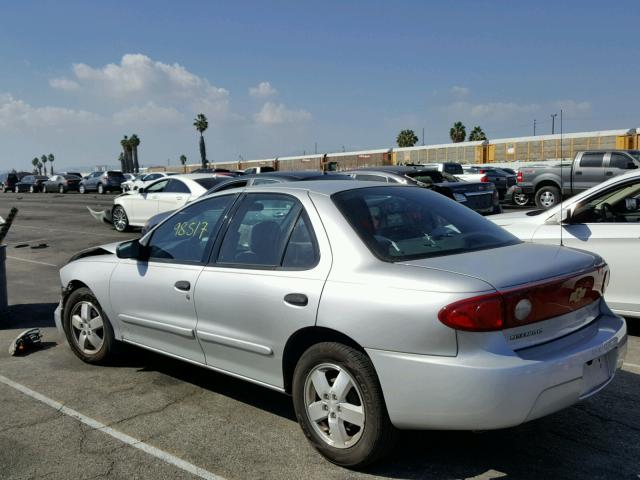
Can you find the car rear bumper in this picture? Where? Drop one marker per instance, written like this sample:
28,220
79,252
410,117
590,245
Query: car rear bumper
488,390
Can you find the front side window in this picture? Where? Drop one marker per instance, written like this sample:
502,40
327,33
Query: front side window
157,187
184,237
618,160
408,223
620,204
260,230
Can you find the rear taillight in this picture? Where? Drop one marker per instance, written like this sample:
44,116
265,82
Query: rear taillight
519,177
484,179
524,305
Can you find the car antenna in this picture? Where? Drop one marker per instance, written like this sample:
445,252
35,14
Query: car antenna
561,180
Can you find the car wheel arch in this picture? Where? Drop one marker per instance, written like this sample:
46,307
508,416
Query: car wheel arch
303,339
71,287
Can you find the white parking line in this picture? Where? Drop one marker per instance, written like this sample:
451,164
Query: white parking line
632,365
123,437
32,261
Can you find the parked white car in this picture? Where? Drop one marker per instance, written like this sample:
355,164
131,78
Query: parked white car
133,209
144,180
604,219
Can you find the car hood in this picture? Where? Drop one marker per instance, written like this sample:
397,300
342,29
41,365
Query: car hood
514,265
107,249
517,217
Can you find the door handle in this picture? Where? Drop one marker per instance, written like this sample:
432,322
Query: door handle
608,174
578,173
297,299
183,285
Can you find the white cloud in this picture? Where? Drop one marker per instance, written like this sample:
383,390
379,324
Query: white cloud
15,113
263,90
148,114
273,114
138,78
459,92
572,107
63,84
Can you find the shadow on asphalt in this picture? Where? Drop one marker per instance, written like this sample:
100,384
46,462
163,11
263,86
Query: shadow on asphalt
596,438
240,390
28,315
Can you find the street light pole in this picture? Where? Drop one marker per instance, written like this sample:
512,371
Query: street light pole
534,127
553,123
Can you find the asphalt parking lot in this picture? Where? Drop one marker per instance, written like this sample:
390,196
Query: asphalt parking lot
153,417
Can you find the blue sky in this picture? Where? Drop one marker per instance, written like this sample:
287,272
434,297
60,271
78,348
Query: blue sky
275,78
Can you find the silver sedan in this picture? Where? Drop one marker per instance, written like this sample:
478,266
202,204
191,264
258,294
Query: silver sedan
377,307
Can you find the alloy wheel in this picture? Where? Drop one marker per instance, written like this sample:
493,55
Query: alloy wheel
334,405
87,328
61,189
547,199
119,219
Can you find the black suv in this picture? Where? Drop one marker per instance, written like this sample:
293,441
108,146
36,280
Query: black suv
8,180
102,182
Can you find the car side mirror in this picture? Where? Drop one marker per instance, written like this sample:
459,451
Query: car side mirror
632,204
132,249
631,166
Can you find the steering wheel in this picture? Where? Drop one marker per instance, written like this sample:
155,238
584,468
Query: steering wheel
606,213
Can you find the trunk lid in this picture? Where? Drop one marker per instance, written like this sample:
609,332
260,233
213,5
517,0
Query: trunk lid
563,287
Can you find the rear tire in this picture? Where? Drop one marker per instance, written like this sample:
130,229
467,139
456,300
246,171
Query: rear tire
119,218
16,189
521,199
101,189
61,189
334,433
87,328
547,197
82,189
32,189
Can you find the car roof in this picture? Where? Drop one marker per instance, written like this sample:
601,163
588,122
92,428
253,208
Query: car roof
321,187
398,169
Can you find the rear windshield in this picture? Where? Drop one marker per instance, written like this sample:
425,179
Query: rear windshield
115,174
71,177
426,176
210,181
453,168
400,223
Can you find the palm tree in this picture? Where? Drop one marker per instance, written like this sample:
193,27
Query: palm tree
51,159
183,161
134,141
127,158
44,161
406,138
39,167
477,134
121,160
201,124
35,163
458,132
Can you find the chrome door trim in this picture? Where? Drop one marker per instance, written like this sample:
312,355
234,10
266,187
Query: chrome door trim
142,322
235,343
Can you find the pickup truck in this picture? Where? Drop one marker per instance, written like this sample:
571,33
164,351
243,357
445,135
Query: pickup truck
546,184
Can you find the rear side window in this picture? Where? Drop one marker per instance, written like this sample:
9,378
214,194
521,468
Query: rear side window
269,230
591,160
367,177
210,182
399,223
176,186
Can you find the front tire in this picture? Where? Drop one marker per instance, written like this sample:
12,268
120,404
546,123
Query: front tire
61,189
87,328
119,218
547,197
339,405
16,189
32,189
82,189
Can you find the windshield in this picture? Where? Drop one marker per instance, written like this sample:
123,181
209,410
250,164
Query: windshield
398,223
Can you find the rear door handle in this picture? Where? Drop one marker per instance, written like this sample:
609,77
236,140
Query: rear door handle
608,174
183,285
297,299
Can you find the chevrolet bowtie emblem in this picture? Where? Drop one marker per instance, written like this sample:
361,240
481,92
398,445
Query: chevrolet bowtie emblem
577,295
